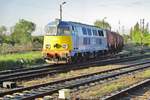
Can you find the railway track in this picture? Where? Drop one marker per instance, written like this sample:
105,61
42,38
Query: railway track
46,66
75,82
49,65
43,71
125,93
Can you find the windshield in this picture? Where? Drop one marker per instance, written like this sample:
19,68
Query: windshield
51,30
58,28
64,31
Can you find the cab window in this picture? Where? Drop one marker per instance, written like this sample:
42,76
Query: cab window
51,30
65,30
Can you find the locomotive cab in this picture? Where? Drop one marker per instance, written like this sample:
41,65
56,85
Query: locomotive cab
57,42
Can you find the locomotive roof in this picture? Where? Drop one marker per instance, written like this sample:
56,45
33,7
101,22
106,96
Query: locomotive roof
78,23
67,23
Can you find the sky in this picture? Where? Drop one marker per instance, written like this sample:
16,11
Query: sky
119,13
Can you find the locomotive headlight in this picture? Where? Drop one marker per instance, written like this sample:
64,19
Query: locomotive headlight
65,46
47,46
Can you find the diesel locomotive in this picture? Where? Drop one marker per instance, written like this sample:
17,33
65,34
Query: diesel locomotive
67,41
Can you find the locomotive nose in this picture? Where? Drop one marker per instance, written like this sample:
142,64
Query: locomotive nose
57,45
53,55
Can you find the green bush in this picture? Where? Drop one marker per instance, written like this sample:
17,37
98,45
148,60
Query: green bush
20,60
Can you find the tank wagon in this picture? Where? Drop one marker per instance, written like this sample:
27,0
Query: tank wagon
66,42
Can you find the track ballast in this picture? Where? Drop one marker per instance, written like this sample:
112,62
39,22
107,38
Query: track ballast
52,87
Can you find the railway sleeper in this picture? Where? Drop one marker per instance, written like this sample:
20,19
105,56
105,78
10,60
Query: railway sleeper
94,78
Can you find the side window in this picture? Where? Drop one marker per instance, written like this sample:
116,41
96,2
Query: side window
94,32
73,28
98,41
84,31
100,33
86,41
89,31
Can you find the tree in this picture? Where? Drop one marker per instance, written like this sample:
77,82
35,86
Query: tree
146,40
37,39
3,30
146,30
136,34
131,33
22,31
126,38
140,35
102,24
37,42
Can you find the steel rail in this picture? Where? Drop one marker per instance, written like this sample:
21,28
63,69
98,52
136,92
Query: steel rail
74,82
63,68
132,88
42,66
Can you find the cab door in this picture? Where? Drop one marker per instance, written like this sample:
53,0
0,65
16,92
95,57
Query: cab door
75,38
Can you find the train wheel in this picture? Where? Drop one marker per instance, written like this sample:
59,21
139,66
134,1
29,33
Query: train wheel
68,60
73,59
56,60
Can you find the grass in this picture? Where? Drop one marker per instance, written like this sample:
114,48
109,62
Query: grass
15,56
98,90
72,73
115,85
146,74
65,75
19,60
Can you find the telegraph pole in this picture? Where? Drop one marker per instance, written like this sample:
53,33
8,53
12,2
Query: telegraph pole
61,9
142,23
119,26
123,29
60,12
104,22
